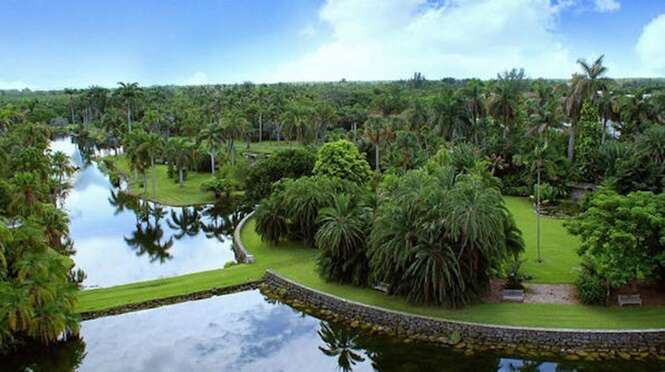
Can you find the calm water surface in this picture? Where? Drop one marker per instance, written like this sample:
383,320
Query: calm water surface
120,239
245,332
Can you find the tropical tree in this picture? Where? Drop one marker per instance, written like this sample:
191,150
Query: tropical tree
377,132
152,146
341,239
179,153
584,86
129,92
212,136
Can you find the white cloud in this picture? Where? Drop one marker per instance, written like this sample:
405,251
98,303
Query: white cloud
199,78
15,84
650,46
308,32
604,6
390,39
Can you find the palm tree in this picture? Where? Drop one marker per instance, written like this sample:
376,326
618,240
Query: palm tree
234,125
179,153
449,115
341,239
61,167
376,132
584,86
152,147
129,92
506,97
71,92
297,118
212,136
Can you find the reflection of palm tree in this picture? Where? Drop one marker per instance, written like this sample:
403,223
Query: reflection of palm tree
122,201
527,366
187,223
221,220
340,343
148,239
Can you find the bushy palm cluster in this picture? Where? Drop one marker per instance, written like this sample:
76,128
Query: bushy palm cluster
435,234
37,285
441,231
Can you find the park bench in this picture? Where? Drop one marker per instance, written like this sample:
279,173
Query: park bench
381,287
513,295
633,299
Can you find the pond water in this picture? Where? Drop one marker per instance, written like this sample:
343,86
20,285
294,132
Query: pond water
120,239
246,332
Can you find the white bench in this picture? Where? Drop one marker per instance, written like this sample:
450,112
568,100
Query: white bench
633,299
381,287
513,295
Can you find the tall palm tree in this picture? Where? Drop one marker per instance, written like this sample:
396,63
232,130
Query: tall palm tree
212,136
376,132
152,147
584,86
129,92
179,153
234,125
505,98
71,92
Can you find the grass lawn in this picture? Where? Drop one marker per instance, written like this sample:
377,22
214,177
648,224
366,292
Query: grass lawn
298,263
168,190
533,315
266,147
558,248
279,258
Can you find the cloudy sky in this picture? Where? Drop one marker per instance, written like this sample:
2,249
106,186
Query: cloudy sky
77,43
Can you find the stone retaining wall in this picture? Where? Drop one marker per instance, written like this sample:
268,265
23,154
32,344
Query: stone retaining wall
241,253
603,343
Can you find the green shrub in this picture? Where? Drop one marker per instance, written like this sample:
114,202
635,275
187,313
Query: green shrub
342,159
291,163
221,187
591,287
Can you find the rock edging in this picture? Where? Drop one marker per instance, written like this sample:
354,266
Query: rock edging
575,343
241,253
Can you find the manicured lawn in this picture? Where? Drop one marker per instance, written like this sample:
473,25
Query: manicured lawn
266,147
533,315
168,190
558,248
298,263
278,258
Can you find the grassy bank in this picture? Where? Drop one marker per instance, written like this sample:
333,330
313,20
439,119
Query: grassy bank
168,190
286,257
298,263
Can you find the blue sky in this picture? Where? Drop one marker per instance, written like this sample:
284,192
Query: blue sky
76,43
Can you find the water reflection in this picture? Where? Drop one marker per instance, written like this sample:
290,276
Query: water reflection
244,332
120,239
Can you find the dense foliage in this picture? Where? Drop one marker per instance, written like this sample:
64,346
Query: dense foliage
341,159
623,236
38,289
291,163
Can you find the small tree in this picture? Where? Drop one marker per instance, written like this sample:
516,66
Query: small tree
343,160
623,237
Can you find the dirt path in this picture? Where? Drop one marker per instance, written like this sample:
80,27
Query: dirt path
551,294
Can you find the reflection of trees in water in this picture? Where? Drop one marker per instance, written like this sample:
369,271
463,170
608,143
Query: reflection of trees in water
63,356
341,344
222,219
215,221
185,223
350,346
148,234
